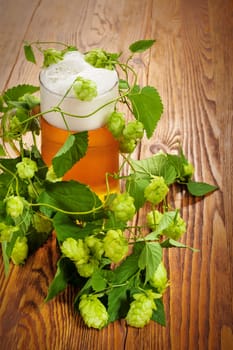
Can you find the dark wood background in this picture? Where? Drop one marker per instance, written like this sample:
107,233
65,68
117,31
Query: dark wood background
191,65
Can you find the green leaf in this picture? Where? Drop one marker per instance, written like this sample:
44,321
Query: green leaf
166,220
66,227
98,282
71,152
147,107
5,257
123,84
141,45
150,258
136,185
159,314
157,165
75,198
200,188
29,54
65,272
129,266
14,93
2,151
117,303
170,243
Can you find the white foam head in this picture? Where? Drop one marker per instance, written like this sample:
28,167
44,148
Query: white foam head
58,78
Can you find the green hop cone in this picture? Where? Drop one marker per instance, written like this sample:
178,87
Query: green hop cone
188,171
42,223
85,89
127,145
6,232
153,218
93,311
159,279
15,127
101,59
157,190
20,251
115,245
141,309
75,250
123,207
133,130
15,206
26,168
34,190
176,229
52,56
87,269
116,123
95,245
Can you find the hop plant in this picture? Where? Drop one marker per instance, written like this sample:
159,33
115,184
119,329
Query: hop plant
20,251
159,279
52,56
75,250
93,311
15,206
141,309
101,59
95,245
188,170
85,89
133,130
26,168
153,218
42,223
87,269
51,175
116,123
6,232
157,190
127,145
176,229
115,245
123,207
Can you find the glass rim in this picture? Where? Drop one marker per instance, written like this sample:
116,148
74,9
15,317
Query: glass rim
73,97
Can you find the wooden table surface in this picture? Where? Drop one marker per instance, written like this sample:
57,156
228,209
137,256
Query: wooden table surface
191,66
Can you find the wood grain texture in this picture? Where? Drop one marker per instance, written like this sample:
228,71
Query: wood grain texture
191,66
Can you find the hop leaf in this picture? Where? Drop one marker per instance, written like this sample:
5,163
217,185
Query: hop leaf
42,223
93,311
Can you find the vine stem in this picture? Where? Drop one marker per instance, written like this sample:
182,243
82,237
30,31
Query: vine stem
66,211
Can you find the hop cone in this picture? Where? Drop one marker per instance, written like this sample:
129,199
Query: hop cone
93,311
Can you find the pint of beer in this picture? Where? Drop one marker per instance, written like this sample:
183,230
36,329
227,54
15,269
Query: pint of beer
103,153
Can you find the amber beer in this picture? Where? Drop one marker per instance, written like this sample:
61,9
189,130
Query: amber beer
103,153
